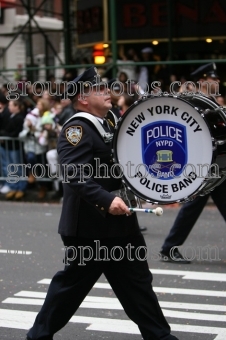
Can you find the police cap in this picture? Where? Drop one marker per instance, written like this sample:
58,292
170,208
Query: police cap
89,77
208,70
116,84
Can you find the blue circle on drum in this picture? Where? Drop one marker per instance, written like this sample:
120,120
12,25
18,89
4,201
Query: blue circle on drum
164,149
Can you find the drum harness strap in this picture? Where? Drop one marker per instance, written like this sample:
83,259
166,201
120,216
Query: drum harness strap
107,136
124,193
127,196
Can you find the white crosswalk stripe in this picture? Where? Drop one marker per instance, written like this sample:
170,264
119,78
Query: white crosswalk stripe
15,252
179,310
113,302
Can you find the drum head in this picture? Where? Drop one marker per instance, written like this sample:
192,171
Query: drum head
160,144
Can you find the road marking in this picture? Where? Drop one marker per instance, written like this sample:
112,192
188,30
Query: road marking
97,285
211,313
23,320
189,275
180,291
15,252
18,301
100,303
16,319
194,306
32,294
115,304
127,326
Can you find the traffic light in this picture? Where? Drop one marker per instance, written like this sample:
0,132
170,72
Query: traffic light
99,54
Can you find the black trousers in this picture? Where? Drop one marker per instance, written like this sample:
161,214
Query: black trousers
128,275
188,215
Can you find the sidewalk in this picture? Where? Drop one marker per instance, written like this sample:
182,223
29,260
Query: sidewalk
31,195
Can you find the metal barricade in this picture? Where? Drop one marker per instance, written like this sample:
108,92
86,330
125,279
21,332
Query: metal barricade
12,156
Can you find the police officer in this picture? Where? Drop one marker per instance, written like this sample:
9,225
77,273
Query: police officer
190,211
100,234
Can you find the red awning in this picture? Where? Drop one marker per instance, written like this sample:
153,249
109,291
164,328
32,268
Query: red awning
7,3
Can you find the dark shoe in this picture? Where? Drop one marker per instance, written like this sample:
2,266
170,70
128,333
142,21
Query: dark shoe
173,256
142,229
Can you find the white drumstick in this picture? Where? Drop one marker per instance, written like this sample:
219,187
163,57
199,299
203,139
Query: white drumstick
158,211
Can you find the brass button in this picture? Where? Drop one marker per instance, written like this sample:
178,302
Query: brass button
101,208
96,205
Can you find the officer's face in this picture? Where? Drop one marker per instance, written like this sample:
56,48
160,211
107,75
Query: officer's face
210,85
98,101
115,95
210,79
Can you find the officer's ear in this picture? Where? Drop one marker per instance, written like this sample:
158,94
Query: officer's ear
82,99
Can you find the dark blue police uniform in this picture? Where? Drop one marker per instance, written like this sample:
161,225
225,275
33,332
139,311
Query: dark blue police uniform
104,239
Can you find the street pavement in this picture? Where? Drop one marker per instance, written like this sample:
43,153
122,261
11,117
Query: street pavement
193,297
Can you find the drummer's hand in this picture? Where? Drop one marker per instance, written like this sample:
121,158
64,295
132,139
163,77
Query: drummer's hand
118,207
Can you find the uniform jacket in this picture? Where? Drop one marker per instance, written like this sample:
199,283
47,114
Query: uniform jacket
86,203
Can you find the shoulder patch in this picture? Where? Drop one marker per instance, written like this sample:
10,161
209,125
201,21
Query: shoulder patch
74,134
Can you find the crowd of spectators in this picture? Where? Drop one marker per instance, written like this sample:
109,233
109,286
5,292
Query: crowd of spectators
30,124
144,74
29,128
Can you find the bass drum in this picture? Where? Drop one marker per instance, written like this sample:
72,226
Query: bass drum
171,149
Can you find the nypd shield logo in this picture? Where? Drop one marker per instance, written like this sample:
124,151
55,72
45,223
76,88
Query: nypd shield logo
164,149
74,134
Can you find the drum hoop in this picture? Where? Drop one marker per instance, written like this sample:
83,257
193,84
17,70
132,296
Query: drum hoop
215,106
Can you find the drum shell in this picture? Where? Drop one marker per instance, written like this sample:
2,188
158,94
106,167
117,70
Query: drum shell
215,118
